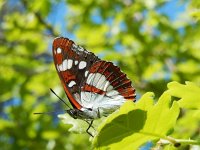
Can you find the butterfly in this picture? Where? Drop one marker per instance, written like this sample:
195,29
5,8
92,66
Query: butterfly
94,87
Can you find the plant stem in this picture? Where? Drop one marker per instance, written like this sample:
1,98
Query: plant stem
187,142
173,140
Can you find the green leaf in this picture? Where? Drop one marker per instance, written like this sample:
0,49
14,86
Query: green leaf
189,122
5,124
50,134
77,125
194,8
188,94
136,123
195,13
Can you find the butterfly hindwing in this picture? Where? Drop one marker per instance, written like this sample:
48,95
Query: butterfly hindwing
106,88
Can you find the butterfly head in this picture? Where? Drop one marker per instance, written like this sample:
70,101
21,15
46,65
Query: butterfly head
73,113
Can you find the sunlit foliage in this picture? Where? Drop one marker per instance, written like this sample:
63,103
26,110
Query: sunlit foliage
154,42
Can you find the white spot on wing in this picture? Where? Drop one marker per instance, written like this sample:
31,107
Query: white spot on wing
99,81
71,83
82,64
112,93
76,62
106,85
69,64
89,79
86,73
63,66
74,46
59,50
110,87
58,68
77,97
80,48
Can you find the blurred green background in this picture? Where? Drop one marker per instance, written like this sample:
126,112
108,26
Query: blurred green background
154,42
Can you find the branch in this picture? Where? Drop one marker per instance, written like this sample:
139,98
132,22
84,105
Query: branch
41,20
44,23
170,140
176,142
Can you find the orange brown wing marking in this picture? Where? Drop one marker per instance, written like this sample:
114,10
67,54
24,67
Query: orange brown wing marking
67,76
128,93
59,58
64,43
72,99
93,89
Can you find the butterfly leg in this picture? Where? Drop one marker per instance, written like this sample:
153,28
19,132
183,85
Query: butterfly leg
98,113
90,125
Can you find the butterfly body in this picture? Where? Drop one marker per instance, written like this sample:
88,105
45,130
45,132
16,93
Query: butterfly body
94,87
85,113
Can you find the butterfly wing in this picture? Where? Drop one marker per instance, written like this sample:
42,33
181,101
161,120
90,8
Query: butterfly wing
72,63
106,88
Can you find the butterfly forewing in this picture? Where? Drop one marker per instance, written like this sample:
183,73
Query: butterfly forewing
72,63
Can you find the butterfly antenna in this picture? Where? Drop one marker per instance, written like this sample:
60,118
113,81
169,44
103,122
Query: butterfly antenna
60,98
45,113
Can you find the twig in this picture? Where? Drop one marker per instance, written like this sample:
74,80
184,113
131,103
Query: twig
41,20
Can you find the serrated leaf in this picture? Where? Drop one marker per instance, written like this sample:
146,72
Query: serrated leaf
146,101
78,126
162,117
188,94
136,123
